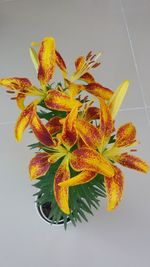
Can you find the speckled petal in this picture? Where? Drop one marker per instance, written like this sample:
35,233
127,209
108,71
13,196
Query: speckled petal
87,77
106,122
39,165
114,189
40,131
89,133
61,64
99,90
132,162
92,113
15,83
23,121
126,135
69,133
60,101
47,59
81,178
83,159
53,125
62,193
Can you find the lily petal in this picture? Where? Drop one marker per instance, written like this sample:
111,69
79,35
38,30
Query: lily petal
61,64
106,122
40,131
89,133
47,58
80,143
92,113
79,62
126,135
73,88
132,162
117,98
86,159
114,189
53,125
20,101
69,134
39,165
81,178
62,193
60,101
55,156
87,77
80,65
15,83
99,90
23,121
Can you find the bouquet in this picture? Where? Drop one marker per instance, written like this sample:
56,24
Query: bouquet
78,148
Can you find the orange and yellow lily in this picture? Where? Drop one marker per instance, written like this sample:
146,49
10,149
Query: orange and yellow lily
40,164
45,62
96,141
83,65
89,159
81,144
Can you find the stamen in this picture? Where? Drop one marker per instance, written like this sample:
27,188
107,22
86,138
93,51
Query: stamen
88,55
133,150
98,55
93,57
10,92
96,65
90,63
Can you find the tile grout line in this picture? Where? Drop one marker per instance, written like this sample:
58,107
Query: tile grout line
128,109
7,1
134,61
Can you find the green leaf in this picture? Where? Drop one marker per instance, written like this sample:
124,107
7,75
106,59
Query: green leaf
35,145
82,198
48,114
112,139
83,215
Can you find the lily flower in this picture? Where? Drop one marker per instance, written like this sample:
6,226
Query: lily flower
90,113
96,140
83,65
41,163
44,62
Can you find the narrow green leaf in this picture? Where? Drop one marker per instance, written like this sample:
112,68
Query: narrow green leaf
83,215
